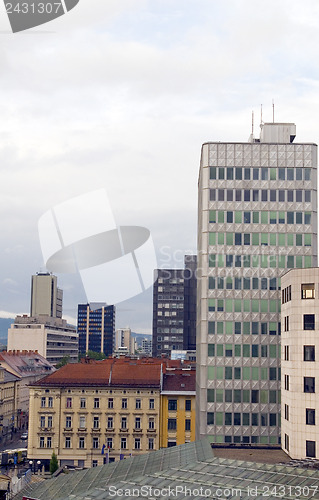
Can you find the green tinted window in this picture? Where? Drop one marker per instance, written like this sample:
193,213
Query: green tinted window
219,373
221,173
246,350
212,238
264,239
307,217
229,238
272,260
219,418
228,305
307,240
273,172
229,283
256,217
281,240
246,395
272,351
290,240
212,260
220,260
246,373
237,304
220,327
263,374
210,395
264,217
281,217
219,395
212,216
273,306
246,328
307,261
255,238
229,327
299,261
255,373
290,261
221,217
220,238
211,349
272,239
298,240
238,217
237,349
281,261
211,372
220,350
255,305
264,261
212,305
263,305
246,305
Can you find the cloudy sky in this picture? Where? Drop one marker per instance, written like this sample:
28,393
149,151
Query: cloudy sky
121,94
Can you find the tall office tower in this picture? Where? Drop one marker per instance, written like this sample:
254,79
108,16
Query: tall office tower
96,329
46,297
174,308
124,341
300,365
257,218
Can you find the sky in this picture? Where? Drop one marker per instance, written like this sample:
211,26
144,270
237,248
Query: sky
120,95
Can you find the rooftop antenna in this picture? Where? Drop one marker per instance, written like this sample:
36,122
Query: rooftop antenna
261,114
252,123
273,111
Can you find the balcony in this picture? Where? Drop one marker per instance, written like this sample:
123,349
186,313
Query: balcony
111,429
151,430
137,429
82,429
123,429
68,429
96,429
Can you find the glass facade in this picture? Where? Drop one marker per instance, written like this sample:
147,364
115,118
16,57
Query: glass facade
257,219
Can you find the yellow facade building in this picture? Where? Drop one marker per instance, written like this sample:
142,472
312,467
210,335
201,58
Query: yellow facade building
93,413
177,417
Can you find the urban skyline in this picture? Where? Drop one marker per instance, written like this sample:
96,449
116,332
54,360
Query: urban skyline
175,74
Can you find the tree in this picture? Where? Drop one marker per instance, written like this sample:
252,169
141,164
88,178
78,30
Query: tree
95,355
64,361
54,464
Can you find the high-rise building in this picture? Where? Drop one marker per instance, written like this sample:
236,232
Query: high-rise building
257,218
300,366
46,297
174,308
96,329
124,341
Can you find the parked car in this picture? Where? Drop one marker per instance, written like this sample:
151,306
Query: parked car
24,435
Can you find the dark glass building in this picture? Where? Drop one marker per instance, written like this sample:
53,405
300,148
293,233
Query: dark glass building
174,309
96,329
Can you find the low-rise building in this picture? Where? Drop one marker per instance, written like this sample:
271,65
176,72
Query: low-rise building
9,387
178,407
53,338
29,366
93,412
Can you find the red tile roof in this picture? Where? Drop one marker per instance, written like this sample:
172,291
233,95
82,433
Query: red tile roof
179,380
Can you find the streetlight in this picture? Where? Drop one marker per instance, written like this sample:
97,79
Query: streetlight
34,463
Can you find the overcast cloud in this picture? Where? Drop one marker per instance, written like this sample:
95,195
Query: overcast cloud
121,94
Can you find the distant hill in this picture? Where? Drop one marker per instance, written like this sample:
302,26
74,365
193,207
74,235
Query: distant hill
5,324
140,336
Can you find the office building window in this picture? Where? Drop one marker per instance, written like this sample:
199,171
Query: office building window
110,403
67,443
310,416
49,442
137,422
187,424
309,353
309,384
81,443
124,403
68,422
311,449
95,443
123,443
151,423
286,442
96,402
110,422
123,423
137,404
82,403
188,405
96,422
308,321
286,412
41,442
287,382
286,355
308,291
